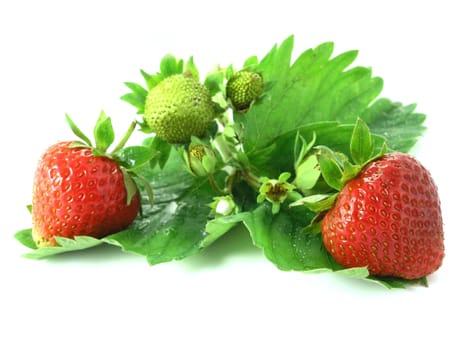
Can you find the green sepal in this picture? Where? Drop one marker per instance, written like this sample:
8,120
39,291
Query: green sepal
331,170
160,150
362,145
129,158
209,164
130,186
136,88
191,69
146,186
169,65
250,62
103,133
137,96
151,80
229,71
302,147
316,202
78,144
382,151
144,127
77,131
214,83
349,171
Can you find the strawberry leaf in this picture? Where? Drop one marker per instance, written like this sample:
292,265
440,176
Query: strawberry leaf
318,88
217,227
174,227
281,238
25,238
400,125
134,157
332,134
314,88
65,245
250,62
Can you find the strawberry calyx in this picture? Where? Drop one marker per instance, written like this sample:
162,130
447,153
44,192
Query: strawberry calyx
170,66
321,172
129,158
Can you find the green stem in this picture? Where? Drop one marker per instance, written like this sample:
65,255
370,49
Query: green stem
215,186
253,180
231,179
125,138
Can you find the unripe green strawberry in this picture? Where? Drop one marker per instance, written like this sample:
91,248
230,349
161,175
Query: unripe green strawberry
243,88
388,219
78,193
177,108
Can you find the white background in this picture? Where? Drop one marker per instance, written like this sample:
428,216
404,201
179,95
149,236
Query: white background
72,57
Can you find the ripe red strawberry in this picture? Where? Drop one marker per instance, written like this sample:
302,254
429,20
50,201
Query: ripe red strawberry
78,193
81,189
388,218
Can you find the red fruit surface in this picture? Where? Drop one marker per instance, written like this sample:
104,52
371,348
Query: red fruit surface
388,219
78,193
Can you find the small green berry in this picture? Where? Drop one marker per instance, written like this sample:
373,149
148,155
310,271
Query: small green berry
243,88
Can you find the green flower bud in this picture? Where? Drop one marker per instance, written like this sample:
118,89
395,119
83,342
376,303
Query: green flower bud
223,206
200,160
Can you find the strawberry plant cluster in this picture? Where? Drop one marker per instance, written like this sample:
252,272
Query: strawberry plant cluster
301,154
